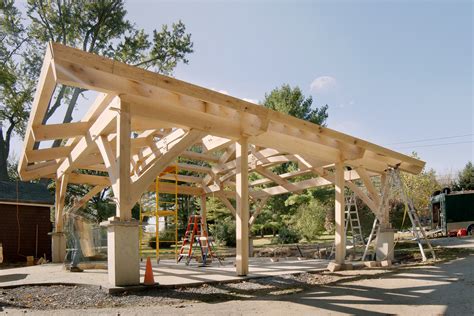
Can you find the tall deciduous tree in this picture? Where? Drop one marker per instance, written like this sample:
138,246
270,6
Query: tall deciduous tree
99,27
15,85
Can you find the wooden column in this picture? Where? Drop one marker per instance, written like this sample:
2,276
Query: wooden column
123,257
123,195
58,238
242,207
61,187
203,211
340,238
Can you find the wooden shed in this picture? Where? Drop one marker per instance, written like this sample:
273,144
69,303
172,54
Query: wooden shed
25,223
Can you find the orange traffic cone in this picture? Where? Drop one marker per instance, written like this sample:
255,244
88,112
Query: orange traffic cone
149,279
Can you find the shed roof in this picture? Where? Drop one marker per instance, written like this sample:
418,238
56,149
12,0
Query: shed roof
25,192
169,118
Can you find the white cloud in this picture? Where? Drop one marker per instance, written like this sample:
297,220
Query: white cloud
220,91
323,83
348,104
254,101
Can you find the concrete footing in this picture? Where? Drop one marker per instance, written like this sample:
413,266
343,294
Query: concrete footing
384,244
58,247
332,266
371,264
123,258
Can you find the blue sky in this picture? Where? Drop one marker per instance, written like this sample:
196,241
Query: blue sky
390,71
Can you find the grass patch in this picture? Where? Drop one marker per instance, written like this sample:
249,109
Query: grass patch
409,251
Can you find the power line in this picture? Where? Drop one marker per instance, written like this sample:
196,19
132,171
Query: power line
435,145
430,139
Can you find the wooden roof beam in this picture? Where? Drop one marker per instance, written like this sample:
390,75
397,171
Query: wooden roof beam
103,125
60,131
140,183
43,94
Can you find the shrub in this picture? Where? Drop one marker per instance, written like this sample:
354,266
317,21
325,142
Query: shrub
223,232
257,230
286,235
310,219
164,235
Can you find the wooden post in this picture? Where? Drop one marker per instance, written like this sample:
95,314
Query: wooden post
242,211
203,211
340,238
58,238
60,195
123,197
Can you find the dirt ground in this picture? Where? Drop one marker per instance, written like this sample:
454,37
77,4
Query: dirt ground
431,289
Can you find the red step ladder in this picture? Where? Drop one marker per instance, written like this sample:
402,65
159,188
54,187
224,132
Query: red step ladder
196,236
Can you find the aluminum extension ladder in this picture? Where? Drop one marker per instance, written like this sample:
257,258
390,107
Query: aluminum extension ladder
417,230
351,215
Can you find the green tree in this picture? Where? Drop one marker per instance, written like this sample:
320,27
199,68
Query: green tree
311,219
15,85
420,187
99,27
465,179
292,101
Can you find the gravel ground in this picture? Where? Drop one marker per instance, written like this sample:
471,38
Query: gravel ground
76,297
90,297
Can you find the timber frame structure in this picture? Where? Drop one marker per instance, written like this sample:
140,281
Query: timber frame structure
141,122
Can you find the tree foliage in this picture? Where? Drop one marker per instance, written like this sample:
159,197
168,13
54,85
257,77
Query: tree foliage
291,101
465,179
311,218
420,187
99,27
280,210
16,86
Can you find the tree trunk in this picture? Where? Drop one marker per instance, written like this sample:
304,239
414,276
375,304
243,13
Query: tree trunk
69,110
3,158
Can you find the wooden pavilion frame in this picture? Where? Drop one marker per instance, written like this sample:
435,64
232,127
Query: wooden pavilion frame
141,122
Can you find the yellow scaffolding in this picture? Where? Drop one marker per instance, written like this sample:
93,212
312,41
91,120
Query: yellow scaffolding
163,208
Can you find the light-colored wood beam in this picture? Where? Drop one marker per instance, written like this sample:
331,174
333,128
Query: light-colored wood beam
60,131
47,154
276,178
285,176
147,177
198,156
340,238
44,91
102,126
242,207
213,143
61,188
226,202
258,209
110,162
123,184
86,198
364,176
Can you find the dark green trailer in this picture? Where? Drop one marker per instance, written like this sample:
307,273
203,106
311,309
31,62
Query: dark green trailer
451,211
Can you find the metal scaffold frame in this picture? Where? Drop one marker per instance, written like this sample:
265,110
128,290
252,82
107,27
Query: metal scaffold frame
162,210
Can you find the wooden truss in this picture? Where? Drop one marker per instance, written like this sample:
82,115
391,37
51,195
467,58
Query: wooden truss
141,122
